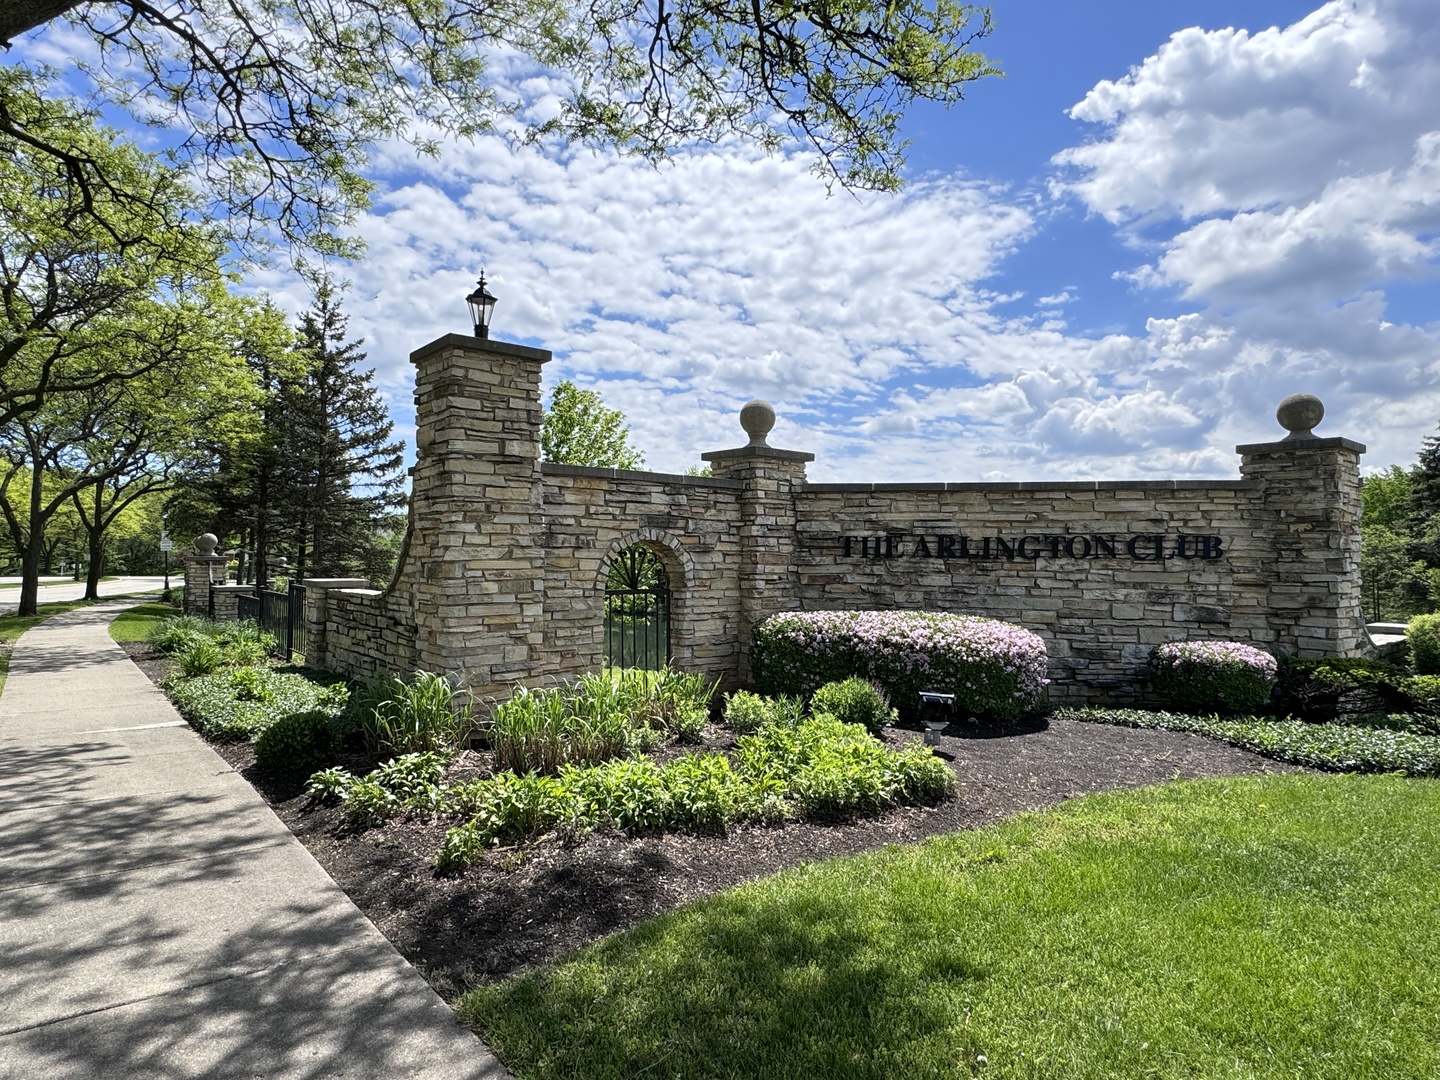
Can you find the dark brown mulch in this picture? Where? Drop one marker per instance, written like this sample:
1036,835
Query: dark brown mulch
529,905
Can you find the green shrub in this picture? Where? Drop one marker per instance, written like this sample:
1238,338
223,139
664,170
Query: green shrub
855,701
995,669
330,786
822,769
410,782
296,741
242,653
1329,688
538,731
406,717
201,657
1423,637
1212,676
746,713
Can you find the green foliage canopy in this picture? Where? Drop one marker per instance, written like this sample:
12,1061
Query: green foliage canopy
275,102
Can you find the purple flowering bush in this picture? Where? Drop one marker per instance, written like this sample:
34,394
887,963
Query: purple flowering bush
1212,676
995,670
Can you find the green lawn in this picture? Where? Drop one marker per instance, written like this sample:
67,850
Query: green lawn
136,623
1284,926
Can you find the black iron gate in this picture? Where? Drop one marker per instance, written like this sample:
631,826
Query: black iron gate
637,611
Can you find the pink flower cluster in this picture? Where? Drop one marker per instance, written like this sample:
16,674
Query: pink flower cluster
1216,654
916,640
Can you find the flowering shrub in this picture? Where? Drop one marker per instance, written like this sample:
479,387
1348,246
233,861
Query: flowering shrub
1212,676
993,668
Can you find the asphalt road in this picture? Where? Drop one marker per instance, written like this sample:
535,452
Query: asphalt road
74,590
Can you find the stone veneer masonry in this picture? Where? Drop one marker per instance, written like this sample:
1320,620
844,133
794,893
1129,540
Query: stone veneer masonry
503,574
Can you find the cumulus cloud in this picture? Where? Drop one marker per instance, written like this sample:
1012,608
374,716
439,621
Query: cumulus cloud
1280,178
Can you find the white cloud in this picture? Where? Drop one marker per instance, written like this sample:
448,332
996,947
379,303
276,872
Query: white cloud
1281,178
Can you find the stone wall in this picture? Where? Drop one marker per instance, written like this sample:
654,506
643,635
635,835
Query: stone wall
504,571
591,515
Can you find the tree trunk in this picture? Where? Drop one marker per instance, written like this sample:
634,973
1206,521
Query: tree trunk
34,553
18,16
95,540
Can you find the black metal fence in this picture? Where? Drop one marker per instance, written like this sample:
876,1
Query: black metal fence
279,613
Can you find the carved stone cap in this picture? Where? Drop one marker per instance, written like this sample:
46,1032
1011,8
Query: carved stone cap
757,418
205,544
1299,414
1300,446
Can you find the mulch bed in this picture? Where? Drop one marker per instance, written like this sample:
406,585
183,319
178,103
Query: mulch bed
524,906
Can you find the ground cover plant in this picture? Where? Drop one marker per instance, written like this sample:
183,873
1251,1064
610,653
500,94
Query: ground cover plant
1274,927
1386,742
995,670
227,688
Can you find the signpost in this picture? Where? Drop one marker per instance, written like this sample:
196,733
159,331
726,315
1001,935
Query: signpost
166,544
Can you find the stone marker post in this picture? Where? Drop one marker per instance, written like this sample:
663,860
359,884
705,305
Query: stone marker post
1308,513
203,567
768,535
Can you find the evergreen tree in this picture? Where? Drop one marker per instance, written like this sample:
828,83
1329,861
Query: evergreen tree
342,471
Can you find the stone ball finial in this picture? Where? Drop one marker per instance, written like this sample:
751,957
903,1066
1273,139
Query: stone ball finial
205,543
757,418
1299,413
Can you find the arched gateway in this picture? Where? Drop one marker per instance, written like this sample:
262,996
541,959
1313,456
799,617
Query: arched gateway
510,562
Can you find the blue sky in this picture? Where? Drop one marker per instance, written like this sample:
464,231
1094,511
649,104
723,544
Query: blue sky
1114,262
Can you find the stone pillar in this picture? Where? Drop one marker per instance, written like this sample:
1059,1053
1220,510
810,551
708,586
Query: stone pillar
768,535
1308,513
203,568
227,600
316,608
476,545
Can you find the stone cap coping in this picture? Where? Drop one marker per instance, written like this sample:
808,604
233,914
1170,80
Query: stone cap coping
335,582
1297,446
550,468
1387,628
1042,485
757,452
232,587
195,556
475,344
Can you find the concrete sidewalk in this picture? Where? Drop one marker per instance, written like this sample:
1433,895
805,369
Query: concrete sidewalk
156,918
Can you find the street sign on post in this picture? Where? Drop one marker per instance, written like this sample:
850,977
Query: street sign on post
167,544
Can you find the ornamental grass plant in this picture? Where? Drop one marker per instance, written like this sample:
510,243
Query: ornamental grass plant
995,670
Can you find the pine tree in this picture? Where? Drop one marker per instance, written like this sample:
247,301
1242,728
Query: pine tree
342,470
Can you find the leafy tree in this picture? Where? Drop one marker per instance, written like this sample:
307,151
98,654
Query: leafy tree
276,102
84,273
93,452
579,430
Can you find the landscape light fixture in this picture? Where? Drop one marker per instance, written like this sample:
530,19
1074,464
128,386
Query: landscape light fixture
482,305
939,710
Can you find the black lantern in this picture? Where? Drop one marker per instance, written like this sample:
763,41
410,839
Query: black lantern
482,305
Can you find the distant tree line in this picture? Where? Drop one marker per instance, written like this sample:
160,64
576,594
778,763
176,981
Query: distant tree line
1400,538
